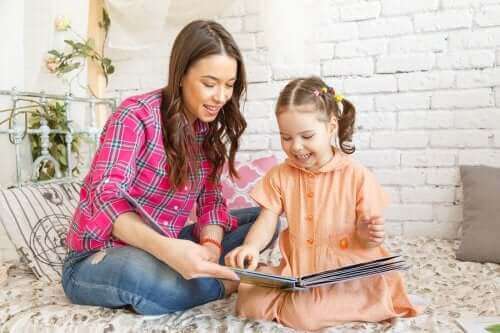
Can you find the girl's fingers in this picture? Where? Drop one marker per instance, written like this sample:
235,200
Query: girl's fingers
376,220
376,227
230,259
253,262
240,260
227,260
377,234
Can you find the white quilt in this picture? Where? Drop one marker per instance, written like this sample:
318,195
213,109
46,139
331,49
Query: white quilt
454,289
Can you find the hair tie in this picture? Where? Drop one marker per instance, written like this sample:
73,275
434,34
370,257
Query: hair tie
336,97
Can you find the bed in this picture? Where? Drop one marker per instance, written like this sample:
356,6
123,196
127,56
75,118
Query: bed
454,290
32,299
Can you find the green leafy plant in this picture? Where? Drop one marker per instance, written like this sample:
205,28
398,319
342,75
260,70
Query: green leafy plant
55,114
63,62
68,61
493,328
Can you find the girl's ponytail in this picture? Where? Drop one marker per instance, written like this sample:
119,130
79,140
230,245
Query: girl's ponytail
346,126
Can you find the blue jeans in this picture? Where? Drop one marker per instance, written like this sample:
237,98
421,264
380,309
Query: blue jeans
130,277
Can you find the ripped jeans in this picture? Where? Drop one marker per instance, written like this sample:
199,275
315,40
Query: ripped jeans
130,277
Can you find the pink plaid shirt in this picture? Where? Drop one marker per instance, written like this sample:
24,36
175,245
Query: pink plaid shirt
131,161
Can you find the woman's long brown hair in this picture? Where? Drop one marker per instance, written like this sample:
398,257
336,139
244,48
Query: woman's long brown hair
197,40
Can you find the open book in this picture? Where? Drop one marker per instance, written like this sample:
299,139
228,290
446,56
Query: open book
346,273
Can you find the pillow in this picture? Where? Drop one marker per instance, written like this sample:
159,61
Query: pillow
236,191
36,218
481,225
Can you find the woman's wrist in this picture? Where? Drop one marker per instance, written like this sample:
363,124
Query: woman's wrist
213,242
212,231
159,245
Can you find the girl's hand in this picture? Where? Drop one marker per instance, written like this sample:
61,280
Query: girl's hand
371,231
192,260
244,256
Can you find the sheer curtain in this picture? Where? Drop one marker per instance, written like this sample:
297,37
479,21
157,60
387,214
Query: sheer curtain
289,26
138,24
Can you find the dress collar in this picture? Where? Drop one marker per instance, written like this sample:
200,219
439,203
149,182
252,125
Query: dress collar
339,161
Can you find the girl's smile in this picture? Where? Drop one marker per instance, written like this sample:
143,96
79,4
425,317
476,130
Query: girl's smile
305,137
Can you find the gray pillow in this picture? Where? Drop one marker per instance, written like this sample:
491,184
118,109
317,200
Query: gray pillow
36,218
481,225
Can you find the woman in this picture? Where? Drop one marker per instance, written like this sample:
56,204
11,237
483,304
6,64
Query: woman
160,153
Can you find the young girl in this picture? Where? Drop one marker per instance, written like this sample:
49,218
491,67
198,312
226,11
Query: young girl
333,206
164,151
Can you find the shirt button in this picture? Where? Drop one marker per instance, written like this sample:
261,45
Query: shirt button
176,207
106,181
310,241
344,244
309,217
185,188
310,194
311,175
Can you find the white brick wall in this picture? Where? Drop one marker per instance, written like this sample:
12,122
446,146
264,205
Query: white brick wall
444,20
424,75
401,7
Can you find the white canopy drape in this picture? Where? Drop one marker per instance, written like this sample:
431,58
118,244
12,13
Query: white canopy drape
289,26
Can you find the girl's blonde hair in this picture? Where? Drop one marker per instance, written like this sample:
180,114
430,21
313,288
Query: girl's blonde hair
314,91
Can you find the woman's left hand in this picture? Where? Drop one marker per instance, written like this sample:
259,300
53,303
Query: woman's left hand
371,231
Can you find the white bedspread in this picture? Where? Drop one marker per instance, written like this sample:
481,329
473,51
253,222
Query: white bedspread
454,289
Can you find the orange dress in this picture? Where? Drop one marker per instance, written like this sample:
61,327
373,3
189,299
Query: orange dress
322,209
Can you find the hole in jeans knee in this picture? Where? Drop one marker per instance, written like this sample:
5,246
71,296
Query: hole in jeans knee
98,257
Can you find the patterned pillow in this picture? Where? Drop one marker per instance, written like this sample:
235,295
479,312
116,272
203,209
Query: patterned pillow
237,192
36,218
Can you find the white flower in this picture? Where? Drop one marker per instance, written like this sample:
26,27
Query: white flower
51,63
62,23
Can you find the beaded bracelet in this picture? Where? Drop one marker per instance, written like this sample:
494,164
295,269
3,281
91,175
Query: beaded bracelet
211,241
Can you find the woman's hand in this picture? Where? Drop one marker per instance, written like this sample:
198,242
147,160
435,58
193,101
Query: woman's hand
192,260
244,256
214,252
371,231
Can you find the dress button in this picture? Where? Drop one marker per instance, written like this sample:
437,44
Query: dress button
310,194
344,244
185,188
176,207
